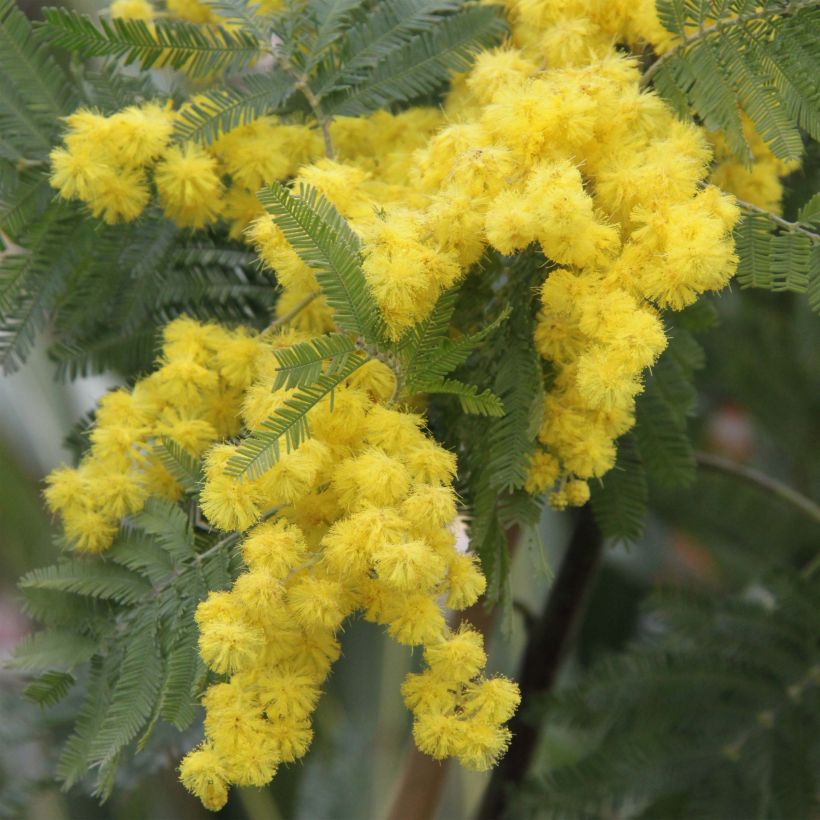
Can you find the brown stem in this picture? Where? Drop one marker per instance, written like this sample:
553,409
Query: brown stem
546,648
422,779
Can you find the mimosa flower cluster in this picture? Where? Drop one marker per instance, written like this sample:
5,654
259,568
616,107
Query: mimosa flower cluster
362,520
109,163
548,140
193,398
357,519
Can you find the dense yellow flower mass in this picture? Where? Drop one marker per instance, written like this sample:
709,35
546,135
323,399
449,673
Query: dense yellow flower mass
548,141
355,520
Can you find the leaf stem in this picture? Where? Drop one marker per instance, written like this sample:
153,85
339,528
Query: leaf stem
291,314
321,117
791,227
750,475
716,28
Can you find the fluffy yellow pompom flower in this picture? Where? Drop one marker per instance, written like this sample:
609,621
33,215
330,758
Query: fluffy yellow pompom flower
188,184
202,773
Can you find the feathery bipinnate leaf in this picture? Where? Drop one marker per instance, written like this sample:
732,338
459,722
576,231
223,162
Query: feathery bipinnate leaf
619,500
176,703
89,578
480,403
306,362
761,57
142,648
776,255
31,279
169,525
384,29
520,384
33,83
52,649
332,17
427,362
325,242
422,64
50,688
135,691
219,110
419,342
288,426
185,469
198,50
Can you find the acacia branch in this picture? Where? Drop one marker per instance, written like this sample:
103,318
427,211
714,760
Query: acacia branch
750,475
705,32
791,227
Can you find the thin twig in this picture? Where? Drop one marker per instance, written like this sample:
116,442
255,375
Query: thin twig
791,227
291,314
703,32
323,120
750,475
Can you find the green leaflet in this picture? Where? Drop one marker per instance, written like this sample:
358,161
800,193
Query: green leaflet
482,403
54,649
761,57
288,426
304,363
619,499
34,92
220,110
422,64
777,255
50,688
323,240
199,50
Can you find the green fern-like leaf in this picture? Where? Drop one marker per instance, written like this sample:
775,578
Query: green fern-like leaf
34,92
421,340
306,362
423,64
185,469
89,578
52,649
49,688
619,500
323,240
166,522
142,555
426,363
199,50
776,255
386,28
176,700
759,58
512,437
288,426
31,280
471,399
332,17
73,762
219,110
134,694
